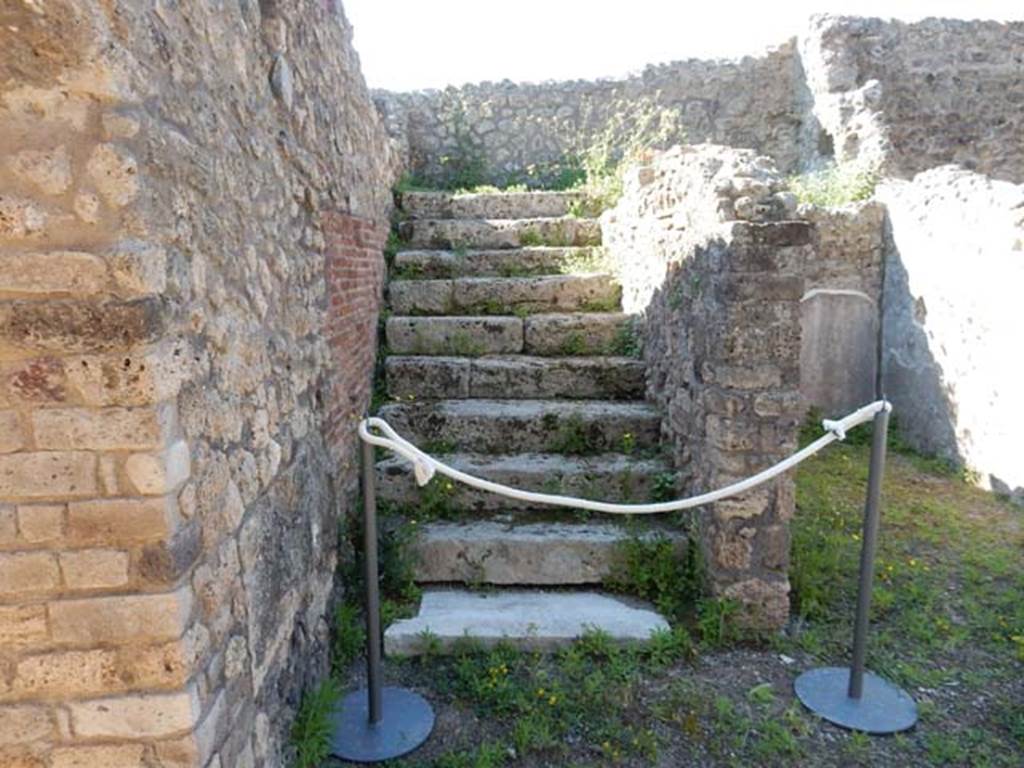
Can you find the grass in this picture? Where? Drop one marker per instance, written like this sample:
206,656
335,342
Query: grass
311,730
835,185
946,625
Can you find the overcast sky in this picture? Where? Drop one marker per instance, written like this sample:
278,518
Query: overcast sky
411,44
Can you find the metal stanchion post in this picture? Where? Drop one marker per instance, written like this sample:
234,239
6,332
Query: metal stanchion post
377,723
851,697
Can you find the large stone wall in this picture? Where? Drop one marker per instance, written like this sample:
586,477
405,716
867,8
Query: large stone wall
509,127
708,253
954,269
173,452
840,310
915,96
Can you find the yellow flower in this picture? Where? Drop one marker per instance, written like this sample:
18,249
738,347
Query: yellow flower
553,700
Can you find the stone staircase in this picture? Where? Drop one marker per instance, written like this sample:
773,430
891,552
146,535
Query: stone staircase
509,357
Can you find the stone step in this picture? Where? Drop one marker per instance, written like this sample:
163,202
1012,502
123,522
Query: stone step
488,205
531,554
614,477
508,426
462,336
580,333
515,376
527,619
559,335
500,233
499,262
505,295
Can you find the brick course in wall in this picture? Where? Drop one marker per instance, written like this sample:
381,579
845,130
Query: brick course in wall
355,280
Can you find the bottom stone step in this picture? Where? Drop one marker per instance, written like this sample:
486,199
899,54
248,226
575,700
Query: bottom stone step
526,619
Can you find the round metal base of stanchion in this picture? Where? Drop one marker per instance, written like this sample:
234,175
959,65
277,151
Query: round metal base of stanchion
883,708
406,722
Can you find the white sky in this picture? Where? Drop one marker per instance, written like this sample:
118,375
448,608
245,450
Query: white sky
411,44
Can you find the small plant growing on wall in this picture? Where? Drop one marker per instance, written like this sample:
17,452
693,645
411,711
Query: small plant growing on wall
836,184
626,133
463,167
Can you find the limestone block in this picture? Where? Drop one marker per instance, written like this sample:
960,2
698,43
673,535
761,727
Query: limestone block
94,568
463,336
527,425
529,620
159,474
20,218
839,350
602,377
733,549
581,333
120,521
8,525
80,326
138,267
22,625
121,620
12,434
141,377
23,724
500,262
764,604
47,474
87,207
119,126
427,376
609,477
501,233
507,205
115,174
489,552
38,523
49,170
54,272
106,429
421,297
98,672
136,717
121,756
26,573
746,506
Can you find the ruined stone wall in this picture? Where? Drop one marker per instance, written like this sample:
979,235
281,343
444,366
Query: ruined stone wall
840,310
954,269
915,96
510,127
173,453
708,253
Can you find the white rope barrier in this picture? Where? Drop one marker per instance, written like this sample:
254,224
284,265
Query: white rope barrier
425,466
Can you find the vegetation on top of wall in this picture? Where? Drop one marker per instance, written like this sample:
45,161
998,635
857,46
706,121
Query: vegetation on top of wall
835,184
593,168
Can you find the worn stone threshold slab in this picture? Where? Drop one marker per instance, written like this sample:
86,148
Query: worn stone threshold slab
525,618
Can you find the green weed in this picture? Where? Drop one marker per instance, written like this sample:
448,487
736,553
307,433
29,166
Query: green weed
654,569
349,636
835,185
573,436
311,731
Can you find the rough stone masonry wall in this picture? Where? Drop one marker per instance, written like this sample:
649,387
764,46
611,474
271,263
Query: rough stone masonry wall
954,270
750,102
705,244
172,438
840,310
915,96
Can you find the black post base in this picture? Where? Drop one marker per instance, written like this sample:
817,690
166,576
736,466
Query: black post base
406,723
